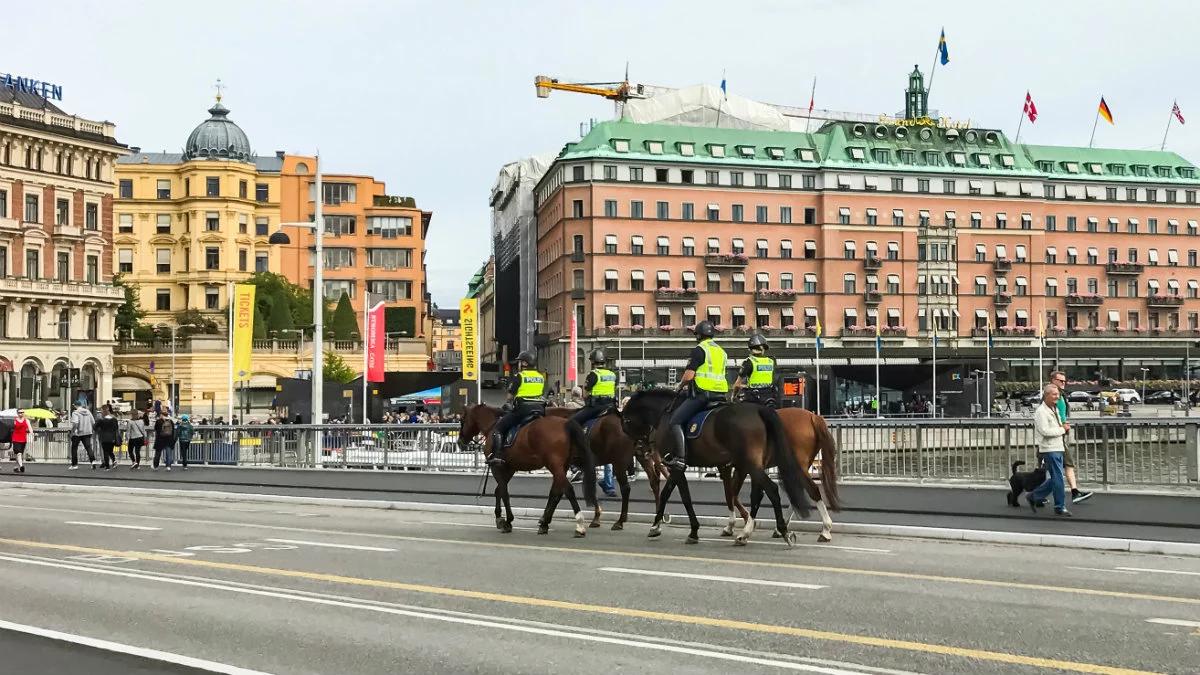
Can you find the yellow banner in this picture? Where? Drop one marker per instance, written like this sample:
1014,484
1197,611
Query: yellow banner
468,321
243,330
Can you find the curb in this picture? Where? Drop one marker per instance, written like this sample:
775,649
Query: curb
870,529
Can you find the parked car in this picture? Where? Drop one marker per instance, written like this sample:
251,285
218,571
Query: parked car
1167,397
1128,396
1082,397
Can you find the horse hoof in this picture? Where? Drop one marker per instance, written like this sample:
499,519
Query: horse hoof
654,532
594,523
580,533
543,529
500,524
790,539
507,529
776,534
824,538
618,526
692,539
727,531
740,541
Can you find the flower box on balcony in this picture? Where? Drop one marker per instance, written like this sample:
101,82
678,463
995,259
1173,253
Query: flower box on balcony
872,263
1002,265
1164,300
685,295
1002,299
726,260
775,296
1123,268
1076,300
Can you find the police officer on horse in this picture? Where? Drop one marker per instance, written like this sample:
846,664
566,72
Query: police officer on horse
525,391
756,377
703,381
600,387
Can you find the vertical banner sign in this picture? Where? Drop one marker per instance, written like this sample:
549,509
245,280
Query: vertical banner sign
571,349
375,343
243,330
468,321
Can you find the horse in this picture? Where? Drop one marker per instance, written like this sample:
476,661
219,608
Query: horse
610,445
808,434
741,435
546,442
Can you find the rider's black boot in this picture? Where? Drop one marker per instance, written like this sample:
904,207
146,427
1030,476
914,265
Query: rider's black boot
497,458
677,458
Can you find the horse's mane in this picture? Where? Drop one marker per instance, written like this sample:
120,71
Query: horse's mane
651,395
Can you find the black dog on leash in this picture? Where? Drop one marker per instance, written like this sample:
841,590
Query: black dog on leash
1024,481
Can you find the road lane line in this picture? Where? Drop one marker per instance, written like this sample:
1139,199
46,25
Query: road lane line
1102,569
490,527
140,652
910,576
1175,622
710,577
329,545
481,620
114,525
606,610
1147,569
772,542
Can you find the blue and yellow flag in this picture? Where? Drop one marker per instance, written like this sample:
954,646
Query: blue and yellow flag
818,333
878,340
943,50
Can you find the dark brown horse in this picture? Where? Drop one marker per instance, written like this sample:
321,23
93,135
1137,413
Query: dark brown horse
547,442
741,435
808,434
610,445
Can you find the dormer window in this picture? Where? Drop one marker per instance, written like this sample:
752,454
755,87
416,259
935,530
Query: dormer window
1071,167
687,149
1187,172
1163,171
716,150
746,150
654,147
1116,169
857,154
1141,170
1095,168
908,156
775,153
881,155
806,155
621,144
1045,166
933,158
958,158
983,160
1006,161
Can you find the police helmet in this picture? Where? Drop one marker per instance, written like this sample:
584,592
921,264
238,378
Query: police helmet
597,357
757,341
528,359
705,329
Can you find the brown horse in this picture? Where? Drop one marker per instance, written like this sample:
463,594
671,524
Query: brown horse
547,442
740,435
808,434
610,445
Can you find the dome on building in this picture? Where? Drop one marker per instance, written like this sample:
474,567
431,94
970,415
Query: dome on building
218,138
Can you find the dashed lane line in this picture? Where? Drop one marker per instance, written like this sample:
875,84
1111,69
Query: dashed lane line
713,577
326,544
117,526
1154,571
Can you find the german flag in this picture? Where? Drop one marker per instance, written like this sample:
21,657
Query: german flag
1105,112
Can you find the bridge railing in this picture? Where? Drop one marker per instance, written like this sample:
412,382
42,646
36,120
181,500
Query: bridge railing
1131,451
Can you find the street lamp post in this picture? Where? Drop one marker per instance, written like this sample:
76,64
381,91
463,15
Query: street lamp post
173,394
976,373
59,323
1144,372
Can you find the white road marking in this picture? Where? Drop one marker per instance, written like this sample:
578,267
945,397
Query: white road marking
114,525
710,577
773,542
328,545
141,652
1147,569
1176,622
478,620
450,522
1102,569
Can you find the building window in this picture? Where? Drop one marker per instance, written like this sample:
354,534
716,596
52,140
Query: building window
662,175
62,212
714,283
92,269
785,249
976,220
212,221
261,262
610,172
610,208
849,283
62,269
91,216
714,212
635,209
735,178
738,213
843,216
242,189
762,281
163,261
809,181
1152,225
390,227
243,259
1151,195
663,210
636,245
124,261
785,181
162,300
663,246
712,177
261,192
32,211
689,211
897,217
125,223
391,290
687,176
610,244
760,248
785,281
689,246
760,214
760,180
1131,226
212,258
610,280
212,187
637,281
1051,223
948,186
785,215
125,189
897,185
738,283
1048,191
635,174
810,284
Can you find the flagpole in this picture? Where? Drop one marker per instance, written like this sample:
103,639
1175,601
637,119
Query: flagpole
933,401
818,364
987,370
721,103
229,297
811,97
1168,129
933,69
366,340
1021,123
878,398
1094,123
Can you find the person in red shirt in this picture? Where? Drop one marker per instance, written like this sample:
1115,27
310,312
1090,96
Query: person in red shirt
20,436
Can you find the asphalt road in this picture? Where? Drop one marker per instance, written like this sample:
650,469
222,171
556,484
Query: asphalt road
321,589
1173,517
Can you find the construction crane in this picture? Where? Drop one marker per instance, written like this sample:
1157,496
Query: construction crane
613,91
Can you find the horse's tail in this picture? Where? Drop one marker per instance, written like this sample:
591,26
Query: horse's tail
828,448
581,449
790,473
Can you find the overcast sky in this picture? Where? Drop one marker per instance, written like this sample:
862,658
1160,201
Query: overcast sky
433,97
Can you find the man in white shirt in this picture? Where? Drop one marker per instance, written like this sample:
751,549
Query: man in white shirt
1049,431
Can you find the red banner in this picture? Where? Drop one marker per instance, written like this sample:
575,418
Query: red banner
571,349
375,343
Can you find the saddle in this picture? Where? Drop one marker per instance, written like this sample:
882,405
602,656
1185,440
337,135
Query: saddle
610,410
526,420
695,426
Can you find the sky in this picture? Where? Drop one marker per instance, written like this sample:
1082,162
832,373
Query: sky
434,97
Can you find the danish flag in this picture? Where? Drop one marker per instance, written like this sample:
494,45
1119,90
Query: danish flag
1030,108
1177,112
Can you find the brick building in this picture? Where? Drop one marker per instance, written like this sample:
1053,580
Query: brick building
913,225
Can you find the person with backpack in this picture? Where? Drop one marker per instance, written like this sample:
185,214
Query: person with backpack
108,432
136,437
164,440
183,434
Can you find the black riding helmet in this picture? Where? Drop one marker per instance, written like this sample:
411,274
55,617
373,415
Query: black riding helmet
757,341
597,357
705,329
528,359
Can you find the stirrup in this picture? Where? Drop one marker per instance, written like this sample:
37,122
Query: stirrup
495,461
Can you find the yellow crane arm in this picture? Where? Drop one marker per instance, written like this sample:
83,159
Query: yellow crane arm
546,84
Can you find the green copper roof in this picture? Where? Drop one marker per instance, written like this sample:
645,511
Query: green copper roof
1123,165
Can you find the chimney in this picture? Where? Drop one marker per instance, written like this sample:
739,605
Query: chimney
134,149
279,154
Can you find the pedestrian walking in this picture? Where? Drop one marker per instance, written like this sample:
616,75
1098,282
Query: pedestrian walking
20,437
136,438
1050,432
164,440
1059,379
83,424
183,434
108,433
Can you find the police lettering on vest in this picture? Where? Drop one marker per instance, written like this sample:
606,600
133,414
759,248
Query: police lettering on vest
710,376
763,374
533,384
606,383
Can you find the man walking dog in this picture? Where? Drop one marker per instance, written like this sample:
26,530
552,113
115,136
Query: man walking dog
1050,432
1059,379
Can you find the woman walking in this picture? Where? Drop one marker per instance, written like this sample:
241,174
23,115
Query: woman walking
164,440
20,436
136,438
108,432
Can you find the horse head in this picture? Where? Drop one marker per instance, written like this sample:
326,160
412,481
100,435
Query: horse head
643,412
477,419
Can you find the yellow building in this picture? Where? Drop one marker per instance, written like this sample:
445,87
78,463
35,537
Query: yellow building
447,339
186,224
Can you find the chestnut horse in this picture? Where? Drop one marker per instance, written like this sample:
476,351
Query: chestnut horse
547,442
741,435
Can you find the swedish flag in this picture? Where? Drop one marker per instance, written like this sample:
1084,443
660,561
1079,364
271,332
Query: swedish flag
943,50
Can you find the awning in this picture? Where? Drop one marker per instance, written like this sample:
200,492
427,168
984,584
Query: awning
1152,284
844,211
637,240
894,246
1152,254
714,207
976,184
921,279
664,311
1093,192
950,215
872,313
1026,218
664,275
1133,221
611,310
762,276
921,313
688,241
871,246
738,311
714,242
1114,221
1071,251
872,279
713,310
1026,188
738,242
923,213
1192,283
1191,224
872,212
1173,284
810,245
850,246
689,311
893,313
128,383
871,182
1001,251
637,274
981,280
981,313
1002,314
1022,281
893,278
1114,316
1094,252
786,244
981,248
762,311
664,241
1173,223
1022,314
897,213
843,180
1050,250
688,275
1075,191
610,239
850,311
713,276
1002,217
1020,250
610,274
810,311
1051,281
786,311
739,276
810,278
637,309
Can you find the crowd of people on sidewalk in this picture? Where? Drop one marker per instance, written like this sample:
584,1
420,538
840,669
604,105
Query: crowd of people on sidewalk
139,431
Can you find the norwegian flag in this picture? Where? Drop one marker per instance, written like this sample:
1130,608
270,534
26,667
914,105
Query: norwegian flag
1177,112
1030,109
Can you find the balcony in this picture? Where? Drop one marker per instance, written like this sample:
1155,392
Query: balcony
1124,268
36,289
687,296
1076,300
577,294
390,200
873,297
1164,301
726,260
1002,299
872,264
1002,265
775,297
577,256
67,231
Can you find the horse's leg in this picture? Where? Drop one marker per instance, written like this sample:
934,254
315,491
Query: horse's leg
580,528
764,482
655,479
508,512
623,482
826,522
596,510
664,497
557,481
500,489
732,481
685,494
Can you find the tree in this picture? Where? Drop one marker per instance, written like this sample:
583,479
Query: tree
193,322
344,325
130,313
337,370
296,300
260,326
400,320
279,318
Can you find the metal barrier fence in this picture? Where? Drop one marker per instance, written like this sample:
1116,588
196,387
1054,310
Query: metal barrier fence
1126,452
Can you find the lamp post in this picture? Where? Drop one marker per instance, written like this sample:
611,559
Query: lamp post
173,393
1144,372
59,324
976,373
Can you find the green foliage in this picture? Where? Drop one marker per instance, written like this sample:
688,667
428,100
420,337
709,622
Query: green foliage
130,313
195,322
295,300
400,320
337,370
279,318
260,326
345,324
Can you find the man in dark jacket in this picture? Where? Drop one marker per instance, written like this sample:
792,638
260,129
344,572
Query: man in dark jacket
108,432
164,440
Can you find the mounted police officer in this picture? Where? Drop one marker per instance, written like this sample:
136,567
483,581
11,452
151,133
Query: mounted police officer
756,377
703,381
600,388
525,391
